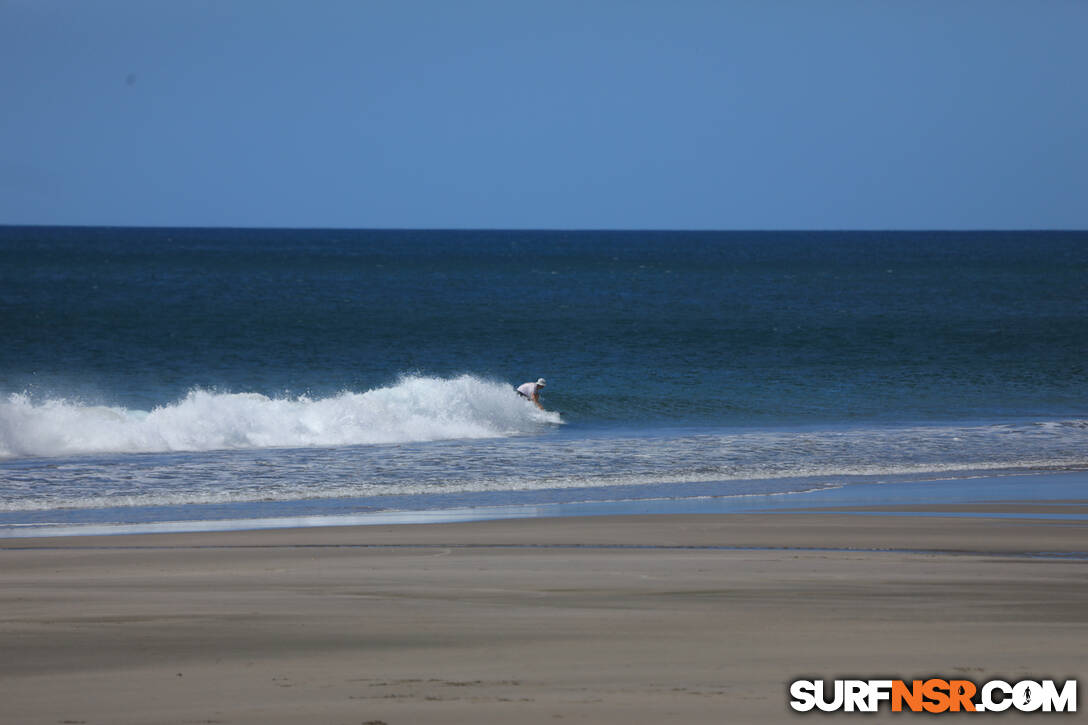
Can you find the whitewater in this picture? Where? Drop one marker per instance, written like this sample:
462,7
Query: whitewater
416,408
428,442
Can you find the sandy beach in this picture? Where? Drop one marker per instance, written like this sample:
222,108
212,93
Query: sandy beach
625,619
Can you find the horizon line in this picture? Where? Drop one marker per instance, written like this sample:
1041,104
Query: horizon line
692,230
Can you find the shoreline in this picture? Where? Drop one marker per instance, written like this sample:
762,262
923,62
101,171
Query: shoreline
808,531
1054,495
694,618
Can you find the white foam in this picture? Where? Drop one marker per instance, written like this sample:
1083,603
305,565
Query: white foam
94,499
416,408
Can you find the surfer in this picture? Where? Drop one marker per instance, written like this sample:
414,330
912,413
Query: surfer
531,391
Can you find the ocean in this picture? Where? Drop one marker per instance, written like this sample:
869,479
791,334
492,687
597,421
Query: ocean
193,378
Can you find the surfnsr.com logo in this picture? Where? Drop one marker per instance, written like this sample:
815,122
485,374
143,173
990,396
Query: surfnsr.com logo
934,695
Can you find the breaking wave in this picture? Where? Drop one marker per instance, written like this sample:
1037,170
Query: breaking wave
416,408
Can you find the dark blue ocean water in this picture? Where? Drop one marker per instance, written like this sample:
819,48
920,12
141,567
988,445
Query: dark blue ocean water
183,373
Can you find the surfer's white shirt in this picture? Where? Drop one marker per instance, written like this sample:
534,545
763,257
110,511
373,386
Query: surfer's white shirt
528,389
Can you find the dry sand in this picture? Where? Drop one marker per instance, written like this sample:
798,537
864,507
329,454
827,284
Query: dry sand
637,619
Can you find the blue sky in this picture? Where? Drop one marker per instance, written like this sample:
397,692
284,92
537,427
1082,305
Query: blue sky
679,115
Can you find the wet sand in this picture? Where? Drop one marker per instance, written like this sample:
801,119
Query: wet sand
625,619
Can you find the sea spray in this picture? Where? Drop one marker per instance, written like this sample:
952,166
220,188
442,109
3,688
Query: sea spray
415,409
